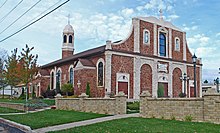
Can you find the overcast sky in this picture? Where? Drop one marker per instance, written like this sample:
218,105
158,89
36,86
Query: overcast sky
96,21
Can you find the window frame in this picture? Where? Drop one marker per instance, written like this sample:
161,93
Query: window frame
165,32
103,72
144,31
177,38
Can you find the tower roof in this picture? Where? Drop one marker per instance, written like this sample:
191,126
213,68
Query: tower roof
68,29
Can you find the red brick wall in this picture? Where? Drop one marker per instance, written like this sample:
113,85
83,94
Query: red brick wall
146,49
122,64
128,45
66,54
87,75
177,83
146,78
190,74
177,55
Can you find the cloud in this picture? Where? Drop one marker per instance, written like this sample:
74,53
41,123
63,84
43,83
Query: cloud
186,28
218,34
198,40
127,12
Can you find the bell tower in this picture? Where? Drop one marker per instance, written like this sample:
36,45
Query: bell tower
68,40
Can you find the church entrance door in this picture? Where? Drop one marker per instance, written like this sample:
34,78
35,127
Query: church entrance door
123,86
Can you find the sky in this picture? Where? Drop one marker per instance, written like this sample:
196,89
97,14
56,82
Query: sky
96,21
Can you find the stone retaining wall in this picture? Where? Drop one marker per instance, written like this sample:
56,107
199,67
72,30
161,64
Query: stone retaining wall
111,106
16,106
199,109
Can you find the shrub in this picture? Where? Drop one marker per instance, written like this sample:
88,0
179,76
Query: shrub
88,89
58,87
67,88
160,91
182,94
133,105
188,118
23,95
173,117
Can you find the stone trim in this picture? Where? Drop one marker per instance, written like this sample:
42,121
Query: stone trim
184,46
170,43
177,38
155,39
54,76
136,23
108,78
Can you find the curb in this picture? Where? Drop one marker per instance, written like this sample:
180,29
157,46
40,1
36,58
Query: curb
23,128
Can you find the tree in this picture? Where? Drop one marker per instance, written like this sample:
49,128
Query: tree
67,88
88,89
13,67
206,81
29,66
3,57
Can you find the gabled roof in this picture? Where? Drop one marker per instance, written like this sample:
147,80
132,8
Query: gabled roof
86,62
83,54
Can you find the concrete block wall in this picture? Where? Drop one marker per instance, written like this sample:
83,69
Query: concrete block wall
111,106
16,106
205,109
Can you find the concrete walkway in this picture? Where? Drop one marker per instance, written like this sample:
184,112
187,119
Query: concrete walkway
83,123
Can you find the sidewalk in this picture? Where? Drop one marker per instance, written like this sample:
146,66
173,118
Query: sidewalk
83,123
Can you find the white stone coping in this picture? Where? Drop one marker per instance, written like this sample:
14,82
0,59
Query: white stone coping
175,99
16,125
86,98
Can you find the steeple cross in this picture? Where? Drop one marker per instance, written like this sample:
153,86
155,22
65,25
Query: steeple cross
161,14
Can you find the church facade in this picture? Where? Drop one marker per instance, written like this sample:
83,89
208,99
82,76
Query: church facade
155,53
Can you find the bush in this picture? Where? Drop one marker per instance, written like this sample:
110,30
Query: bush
67,88
188,118
182,94
36,104
88,89
160,91
58,87
133,105
23,95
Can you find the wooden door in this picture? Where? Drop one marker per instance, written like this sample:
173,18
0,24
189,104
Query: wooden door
123,86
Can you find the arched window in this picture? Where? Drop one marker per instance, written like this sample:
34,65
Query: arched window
70,39
71,75
146,36
177,44
162,41
64,39
52,80
58,76
100,74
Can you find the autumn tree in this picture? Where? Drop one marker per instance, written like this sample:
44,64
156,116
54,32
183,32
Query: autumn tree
12,73
3,56
29,66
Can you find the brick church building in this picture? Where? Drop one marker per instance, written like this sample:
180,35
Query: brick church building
154,53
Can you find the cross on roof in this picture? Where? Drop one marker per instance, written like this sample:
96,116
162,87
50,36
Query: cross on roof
68,18
161,14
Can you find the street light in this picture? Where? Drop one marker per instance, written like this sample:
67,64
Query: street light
184,79
216,81
194,58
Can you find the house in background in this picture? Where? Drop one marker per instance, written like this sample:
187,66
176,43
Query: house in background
155,53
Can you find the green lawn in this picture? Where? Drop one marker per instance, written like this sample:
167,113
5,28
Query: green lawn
143,125
47,101
4,110
51,117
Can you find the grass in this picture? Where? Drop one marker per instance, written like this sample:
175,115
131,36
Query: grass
47,101
4,110
51,117
143,125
